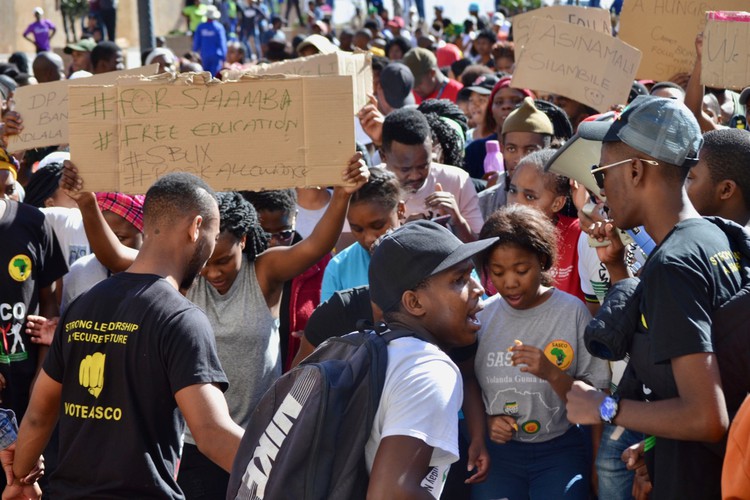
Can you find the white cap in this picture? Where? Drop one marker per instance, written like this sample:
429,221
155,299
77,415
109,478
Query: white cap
81,73
54,157
39,11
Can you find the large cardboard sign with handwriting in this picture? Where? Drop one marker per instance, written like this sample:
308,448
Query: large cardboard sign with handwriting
591,18
665,31
726,50
578,63
255,133
44,108
358,65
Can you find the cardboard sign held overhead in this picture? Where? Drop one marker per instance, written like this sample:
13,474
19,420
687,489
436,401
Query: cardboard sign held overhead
591,18
580,64
358,65
44,108
665,31
726,50
256,133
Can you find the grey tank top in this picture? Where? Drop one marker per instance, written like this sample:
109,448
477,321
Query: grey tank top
247,340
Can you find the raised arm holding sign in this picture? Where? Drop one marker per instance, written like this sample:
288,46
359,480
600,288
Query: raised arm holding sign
665,30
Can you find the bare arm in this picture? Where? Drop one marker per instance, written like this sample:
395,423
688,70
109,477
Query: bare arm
205,411
48,308
37,424
104,243
698,413
48,302
305,349
476,418
401,463
694,91
279,264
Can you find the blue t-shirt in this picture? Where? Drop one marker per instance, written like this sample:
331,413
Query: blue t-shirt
346,270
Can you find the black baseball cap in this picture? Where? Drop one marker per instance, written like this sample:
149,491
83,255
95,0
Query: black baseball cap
412,253
397,83
484,84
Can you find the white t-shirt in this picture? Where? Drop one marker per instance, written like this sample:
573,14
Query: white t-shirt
421,398
84,273
307,219
68,226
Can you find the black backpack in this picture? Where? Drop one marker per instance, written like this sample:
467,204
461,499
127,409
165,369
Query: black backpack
306,439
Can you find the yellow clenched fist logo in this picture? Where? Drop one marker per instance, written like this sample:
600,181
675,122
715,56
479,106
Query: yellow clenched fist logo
91,373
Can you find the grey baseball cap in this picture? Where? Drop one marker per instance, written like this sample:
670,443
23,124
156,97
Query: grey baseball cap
664,129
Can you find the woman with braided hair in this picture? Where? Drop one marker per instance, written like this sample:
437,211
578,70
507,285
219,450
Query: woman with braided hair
448,125
277,214
240,291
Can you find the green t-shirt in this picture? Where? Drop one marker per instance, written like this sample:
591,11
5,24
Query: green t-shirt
196,14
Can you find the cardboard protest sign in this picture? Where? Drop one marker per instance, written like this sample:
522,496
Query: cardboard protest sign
665,31
358,65
578,63
726,50
255,133
179,44
44,108
592,18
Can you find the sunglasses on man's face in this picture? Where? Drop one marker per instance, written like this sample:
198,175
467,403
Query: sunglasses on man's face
284,235
596,170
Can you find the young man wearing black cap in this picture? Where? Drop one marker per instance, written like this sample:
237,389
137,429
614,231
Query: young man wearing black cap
645,157
394,91
420,277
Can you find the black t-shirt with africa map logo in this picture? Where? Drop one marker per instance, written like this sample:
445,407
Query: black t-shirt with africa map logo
30,259
121,352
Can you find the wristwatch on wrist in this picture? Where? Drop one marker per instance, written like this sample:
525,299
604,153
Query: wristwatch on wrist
608,409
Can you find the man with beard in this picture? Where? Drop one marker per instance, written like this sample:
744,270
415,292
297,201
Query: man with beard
129,359
431,190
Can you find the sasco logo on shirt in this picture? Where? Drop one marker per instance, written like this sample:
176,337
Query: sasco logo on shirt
19,267
560,353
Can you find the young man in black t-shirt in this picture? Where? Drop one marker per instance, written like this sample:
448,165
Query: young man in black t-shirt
129,359
695,268
30,263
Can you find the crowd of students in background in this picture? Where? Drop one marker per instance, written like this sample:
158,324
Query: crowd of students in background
446,138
